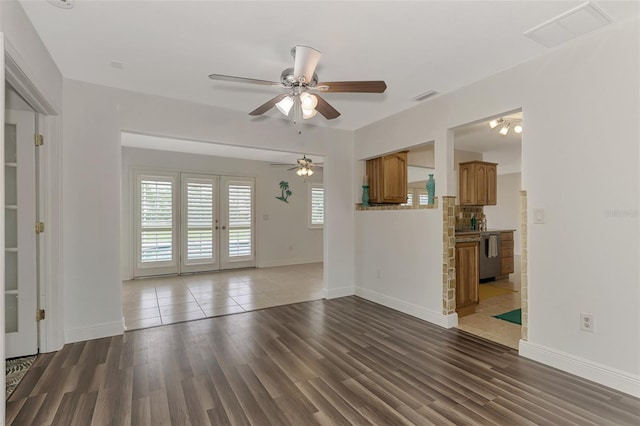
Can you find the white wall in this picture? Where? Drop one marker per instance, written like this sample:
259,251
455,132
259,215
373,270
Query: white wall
399,260
285,225
94,118
506,214
584,257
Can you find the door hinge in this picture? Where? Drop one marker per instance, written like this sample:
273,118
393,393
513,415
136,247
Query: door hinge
39,314
39,227
38,140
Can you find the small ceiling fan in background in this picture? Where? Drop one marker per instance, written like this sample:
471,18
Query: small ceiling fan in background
300,81
304,166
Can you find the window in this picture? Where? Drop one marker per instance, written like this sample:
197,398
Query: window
156,210
422,196
409,199
240,214
316,206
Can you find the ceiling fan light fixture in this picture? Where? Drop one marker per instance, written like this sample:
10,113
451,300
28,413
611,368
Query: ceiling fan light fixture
284,106
307,114
308,101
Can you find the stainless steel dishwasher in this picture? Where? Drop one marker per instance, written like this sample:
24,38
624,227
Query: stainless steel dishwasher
489,265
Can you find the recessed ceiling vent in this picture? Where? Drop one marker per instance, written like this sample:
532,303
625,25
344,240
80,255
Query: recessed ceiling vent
578,21
62,4
425,95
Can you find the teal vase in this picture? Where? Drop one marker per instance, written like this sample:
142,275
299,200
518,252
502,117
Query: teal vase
431,189
365,195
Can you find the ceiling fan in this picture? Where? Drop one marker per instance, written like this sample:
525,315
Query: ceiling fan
300,81
304,166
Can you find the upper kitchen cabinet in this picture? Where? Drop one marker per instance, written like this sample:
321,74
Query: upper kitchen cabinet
388,178
478,184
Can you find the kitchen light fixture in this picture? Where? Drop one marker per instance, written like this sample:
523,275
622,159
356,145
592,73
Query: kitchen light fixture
505,124
505,129
494,123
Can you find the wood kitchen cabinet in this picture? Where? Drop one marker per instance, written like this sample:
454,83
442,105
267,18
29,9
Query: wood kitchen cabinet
478,183
506,253
467,277
388,180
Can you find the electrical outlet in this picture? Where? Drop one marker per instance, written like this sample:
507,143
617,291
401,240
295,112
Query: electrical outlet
586,322
378,273
290,248
538,215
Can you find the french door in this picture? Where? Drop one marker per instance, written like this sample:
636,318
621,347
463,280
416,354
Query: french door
193,223
20,290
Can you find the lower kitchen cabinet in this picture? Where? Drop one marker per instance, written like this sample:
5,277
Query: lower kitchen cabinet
506,253
467,277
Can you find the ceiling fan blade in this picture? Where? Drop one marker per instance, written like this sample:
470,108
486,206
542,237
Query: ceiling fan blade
267,105
326,110
375,86
234,79
305,62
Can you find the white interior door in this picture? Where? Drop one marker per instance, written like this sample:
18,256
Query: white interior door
237,223
156,201
199,223
21,335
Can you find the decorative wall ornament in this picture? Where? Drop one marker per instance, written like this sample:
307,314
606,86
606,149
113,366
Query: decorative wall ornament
286,192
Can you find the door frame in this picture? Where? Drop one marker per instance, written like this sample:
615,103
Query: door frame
50,247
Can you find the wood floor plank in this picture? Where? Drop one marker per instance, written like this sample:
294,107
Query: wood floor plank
330,362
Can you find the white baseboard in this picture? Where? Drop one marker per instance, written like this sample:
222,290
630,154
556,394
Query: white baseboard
334,293
437,318
94,332
602,374
287,262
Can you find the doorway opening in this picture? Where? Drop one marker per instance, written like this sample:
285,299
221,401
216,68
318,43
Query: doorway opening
212,230
494,311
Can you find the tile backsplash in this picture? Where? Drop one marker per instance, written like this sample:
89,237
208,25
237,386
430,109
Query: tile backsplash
463,216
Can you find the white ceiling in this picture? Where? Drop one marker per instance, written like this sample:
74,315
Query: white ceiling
168,48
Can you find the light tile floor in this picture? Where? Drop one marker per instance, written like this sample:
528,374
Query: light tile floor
156,301
482,323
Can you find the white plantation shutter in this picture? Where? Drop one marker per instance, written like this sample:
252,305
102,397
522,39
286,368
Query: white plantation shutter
156,219
199,219
409,200
423,197
240,217
316,209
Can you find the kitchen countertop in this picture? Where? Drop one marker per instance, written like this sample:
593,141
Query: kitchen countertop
489,231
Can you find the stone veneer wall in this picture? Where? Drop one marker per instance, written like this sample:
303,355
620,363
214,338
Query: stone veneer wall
463,216
524,266
448,255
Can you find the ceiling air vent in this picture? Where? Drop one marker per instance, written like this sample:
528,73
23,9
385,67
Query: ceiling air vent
425,95
63,4
578,21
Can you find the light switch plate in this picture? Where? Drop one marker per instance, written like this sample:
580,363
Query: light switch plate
538,215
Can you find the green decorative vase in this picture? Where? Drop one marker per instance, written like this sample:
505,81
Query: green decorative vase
431,189
365,195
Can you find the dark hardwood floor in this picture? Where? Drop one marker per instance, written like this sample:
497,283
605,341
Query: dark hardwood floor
341,361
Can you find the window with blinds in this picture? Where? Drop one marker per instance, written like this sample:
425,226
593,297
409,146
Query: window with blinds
409,200
199,219
240,219
316,209
156,220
